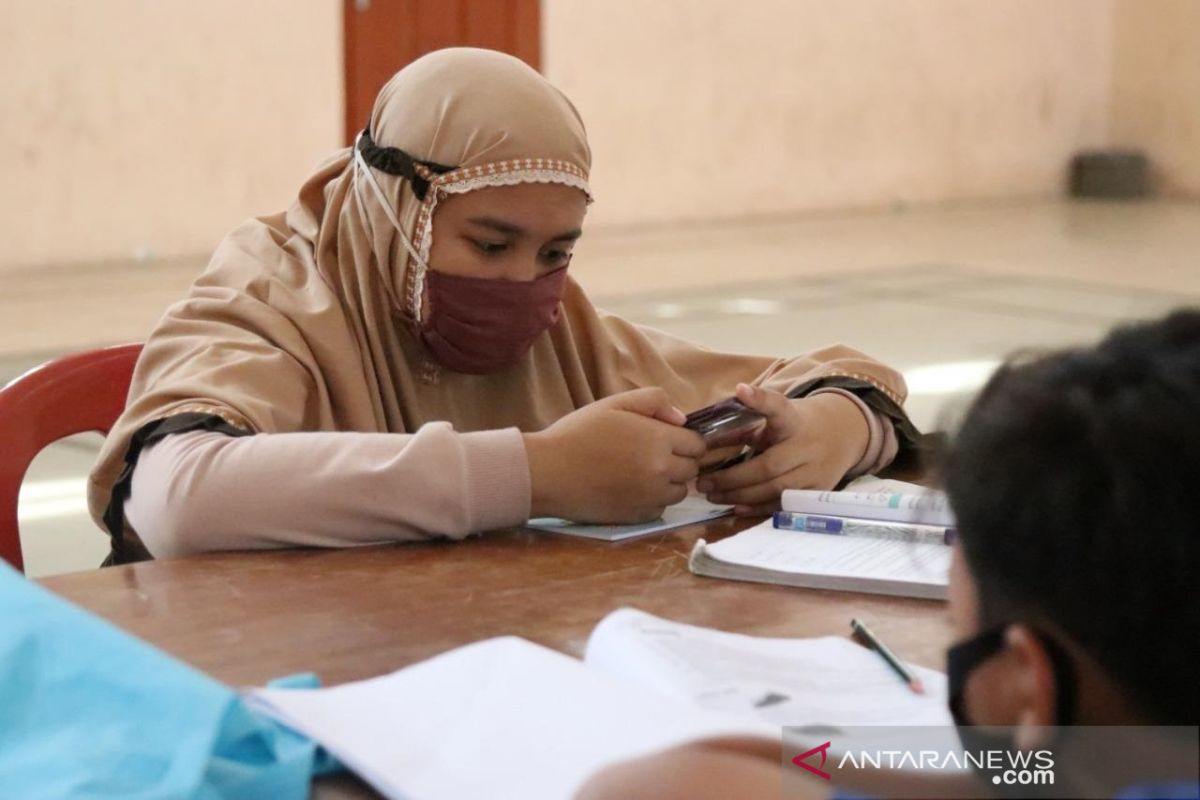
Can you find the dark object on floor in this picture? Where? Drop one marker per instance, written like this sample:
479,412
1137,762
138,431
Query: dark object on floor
1110,174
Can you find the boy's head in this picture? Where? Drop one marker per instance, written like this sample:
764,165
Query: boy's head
1075,479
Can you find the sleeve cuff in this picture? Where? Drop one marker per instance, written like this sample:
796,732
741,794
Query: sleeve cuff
498,485
881,441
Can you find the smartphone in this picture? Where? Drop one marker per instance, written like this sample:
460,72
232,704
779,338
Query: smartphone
722,423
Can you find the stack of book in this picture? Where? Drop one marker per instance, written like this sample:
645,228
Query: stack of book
879,536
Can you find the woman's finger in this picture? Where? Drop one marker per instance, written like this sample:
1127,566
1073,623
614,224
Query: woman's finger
757,494
748,473
771,463
756,510
782,419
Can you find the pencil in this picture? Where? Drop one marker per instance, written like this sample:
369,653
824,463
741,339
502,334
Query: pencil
864,635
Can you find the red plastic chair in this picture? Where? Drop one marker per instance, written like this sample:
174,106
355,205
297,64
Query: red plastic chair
69,395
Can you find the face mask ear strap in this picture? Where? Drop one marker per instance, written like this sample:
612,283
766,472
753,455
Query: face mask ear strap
362,169
961,661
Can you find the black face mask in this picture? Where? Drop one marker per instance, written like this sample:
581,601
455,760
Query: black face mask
964,657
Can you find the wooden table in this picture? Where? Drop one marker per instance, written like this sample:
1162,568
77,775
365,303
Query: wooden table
246,618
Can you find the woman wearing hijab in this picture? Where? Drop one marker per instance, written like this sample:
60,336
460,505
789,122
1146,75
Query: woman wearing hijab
403,355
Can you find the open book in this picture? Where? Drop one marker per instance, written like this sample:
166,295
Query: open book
506,718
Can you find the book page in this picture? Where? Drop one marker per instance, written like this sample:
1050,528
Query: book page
501,718
828,681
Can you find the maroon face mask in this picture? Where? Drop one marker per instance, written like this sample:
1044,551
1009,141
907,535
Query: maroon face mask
483,325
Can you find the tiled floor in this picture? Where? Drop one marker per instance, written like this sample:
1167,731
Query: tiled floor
941,294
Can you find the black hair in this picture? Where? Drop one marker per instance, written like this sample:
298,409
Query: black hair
1075,479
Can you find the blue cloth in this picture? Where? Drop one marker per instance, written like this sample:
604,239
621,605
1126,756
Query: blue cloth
88,711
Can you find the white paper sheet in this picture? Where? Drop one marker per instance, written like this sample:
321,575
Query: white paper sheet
803,682
501,718
694,508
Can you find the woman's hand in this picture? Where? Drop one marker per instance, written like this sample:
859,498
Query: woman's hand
807,443
621,459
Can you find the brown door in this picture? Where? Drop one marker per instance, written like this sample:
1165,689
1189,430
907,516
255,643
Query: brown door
381,36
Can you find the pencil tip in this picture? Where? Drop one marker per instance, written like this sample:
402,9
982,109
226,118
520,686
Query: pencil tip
917,686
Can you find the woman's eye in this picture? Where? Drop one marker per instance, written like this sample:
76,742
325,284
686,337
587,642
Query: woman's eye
491,248
556,258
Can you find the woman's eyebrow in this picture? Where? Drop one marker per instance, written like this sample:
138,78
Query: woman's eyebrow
568,236
512,229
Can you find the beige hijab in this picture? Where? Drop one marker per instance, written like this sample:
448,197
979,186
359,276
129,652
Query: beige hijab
305,321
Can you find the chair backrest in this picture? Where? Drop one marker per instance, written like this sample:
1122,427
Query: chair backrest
69,395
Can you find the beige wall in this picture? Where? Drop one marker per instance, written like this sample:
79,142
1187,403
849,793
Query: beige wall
707,108
156,125
134,126
1156,87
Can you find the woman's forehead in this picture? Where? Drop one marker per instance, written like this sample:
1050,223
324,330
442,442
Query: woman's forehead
533,206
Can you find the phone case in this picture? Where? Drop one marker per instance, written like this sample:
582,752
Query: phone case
723,421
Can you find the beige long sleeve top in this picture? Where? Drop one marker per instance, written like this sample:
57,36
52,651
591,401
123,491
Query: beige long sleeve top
200,491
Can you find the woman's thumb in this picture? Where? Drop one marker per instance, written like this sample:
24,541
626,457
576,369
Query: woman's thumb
651,401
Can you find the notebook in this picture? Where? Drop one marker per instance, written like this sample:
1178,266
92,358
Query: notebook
692,509
507,718
763,554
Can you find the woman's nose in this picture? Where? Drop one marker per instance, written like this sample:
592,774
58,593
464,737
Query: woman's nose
525,268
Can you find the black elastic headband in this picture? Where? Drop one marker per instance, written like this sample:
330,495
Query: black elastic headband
395,161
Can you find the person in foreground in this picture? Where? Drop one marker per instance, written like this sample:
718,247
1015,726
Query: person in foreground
403,355
1073,587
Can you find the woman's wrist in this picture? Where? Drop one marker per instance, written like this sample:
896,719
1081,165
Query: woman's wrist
538,453
846,427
